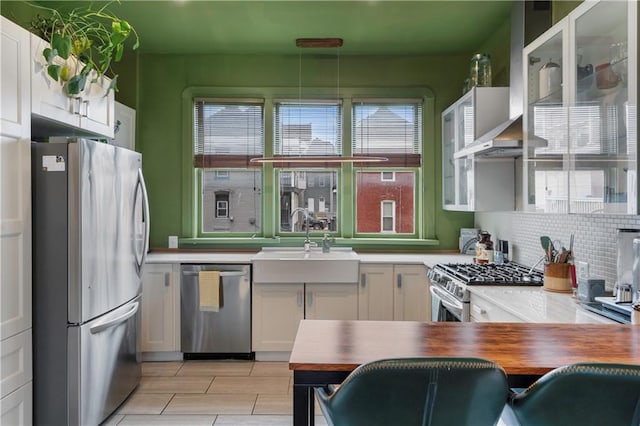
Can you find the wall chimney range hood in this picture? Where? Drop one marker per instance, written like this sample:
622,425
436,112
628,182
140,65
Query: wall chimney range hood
504,140
529,19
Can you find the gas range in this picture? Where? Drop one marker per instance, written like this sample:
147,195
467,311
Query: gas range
453,277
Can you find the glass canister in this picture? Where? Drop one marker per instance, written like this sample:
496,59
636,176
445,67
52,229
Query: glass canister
484,248
480,70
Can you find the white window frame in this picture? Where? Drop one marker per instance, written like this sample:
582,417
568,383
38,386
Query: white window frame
222,205
392,179
393,216
222,174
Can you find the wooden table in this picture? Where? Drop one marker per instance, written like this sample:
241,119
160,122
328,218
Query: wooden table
325,352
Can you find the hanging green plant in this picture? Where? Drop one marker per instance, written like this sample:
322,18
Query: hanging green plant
94,36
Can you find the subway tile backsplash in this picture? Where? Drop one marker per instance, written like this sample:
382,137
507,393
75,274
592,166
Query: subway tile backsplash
594,237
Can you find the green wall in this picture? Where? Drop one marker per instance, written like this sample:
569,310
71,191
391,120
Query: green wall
163,78
153,84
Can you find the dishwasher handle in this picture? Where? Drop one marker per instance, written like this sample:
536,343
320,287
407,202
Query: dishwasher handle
222,274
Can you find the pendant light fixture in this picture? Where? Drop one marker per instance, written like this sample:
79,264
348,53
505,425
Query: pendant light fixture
317,160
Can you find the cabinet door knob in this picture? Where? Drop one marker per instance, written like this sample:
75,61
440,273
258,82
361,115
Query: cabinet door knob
399,280
299,298
167,279
363,280
309,298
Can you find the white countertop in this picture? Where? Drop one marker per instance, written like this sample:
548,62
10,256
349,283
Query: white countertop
531,304
534,304
240,257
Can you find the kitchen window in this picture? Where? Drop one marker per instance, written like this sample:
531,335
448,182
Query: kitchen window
387,176
307,128
341,198
222,204
386,198
388,215
227,134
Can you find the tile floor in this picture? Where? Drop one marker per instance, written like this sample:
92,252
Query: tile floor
212,393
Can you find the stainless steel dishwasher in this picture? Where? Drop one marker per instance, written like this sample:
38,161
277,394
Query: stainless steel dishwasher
222,334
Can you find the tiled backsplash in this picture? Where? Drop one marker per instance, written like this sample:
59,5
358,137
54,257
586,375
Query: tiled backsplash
594,237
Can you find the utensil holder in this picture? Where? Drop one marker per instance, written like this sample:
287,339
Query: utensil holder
557,278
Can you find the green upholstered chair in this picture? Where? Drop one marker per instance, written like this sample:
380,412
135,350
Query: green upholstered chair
579,394
418,391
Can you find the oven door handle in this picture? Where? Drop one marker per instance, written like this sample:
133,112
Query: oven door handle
446,300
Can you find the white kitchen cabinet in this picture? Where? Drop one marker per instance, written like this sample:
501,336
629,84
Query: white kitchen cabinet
15,182
161,308
17,407
411,295
469,182
124,127
16,358
15,226
88,113
483,310
278,308
394,292
588,117
337,301
276,311
375,292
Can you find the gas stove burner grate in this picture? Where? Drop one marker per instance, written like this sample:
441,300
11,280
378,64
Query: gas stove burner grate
492,274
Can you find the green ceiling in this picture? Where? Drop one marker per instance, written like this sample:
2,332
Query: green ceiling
372,27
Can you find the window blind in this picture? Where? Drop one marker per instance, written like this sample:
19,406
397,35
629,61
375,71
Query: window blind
227,133
389,129
308,128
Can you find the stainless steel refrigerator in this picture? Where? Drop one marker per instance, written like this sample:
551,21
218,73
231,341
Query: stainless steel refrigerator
90,238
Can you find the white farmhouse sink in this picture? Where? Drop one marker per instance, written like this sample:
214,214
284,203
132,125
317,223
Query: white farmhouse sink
294,265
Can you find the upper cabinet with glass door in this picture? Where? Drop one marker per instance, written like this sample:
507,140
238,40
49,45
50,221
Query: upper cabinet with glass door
474,114
588,118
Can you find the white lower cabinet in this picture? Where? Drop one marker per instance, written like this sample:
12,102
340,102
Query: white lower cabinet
331,301
278,308
16,360
411,295
161,308
276,311
17,407
394,292
483,310
375,292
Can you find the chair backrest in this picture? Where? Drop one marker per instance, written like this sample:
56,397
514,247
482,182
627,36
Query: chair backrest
582,394
420,392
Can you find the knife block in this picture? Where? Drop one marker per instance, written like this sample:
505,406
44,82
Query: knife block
556,277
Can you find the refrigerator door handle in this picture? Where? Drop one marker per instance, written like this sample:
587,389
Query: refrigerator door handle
140,257
115,321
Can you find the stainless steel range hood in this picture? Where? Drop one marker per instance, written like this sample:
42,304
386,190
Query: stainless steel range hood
529,19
